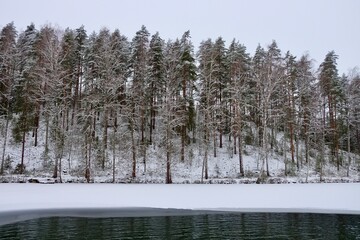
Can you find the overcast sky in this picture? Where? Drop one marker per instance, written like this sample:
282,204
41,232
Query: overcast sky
312,26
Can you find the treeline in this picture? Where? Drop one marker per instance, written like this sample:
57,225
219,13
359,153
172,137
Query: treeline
103,92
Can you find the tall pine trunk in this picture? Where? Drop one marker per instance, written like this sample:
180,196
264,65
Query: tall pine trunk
22,152
239,136
183,127
241,162
114,152
4,145
168,167
215,144
36,124
133,149
105,138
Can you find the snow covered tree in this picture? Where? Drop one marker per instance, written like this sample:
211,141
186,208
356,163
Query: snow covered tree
354,111
24,102
69,68
207,96
258,64
269,78
7,78
289,105
137,97
220,77
155,87
81,42
238,95
331,91
169,105
187,74
50,97
306,98
120,55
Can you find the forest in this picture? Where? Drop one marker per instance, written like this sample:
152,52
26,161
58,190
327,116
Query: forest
96,98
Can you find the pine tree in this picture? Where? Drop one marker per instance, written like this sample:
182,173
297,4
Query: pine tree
289,105
156,80
69,67
269,78
207,96
306,96
120,54
137,98
81,42
187,71
168,105
7,74
330,88
354,112
50,99
238,94
25,86
220,78
258,64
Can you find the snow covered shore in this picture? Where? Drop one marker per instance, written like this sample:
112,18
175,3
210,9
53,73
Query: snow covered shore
147,199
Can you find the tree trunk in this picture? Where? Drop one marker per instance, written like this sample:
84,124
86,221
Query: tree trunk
306,138
114,152
55,173
4,145
206,153
265,146
285,156
168,167
133,150
77,91
242,174
307,170
336,140
235,145
298,161
144,148
348,148
220,139
183,127
205,163
105,137
88,171
332,126
60,167
182,150
215,144
152,116
47,133
272,137
292,148
36,123
151,126
22,153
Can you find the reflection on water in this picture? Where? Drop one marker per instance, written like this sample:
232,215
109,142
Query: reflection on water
211,226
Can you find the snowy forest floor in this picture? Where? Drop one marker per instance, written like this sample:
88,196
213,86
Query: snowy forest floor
223,169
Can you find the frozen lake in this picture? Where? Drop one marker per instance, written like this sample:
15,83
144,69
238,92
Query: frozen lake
26,201
132,211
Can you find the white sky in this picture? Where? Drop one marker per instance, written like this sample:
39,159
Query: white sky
313,26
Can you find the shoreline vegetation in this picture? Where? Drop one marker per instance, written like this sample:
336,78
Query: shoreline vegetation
101,107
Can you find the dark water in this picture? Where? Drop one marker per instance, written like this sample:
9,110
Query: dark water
211,226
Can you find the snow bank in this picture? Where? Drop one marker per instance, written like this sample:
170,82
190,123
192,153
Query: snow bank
134,198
